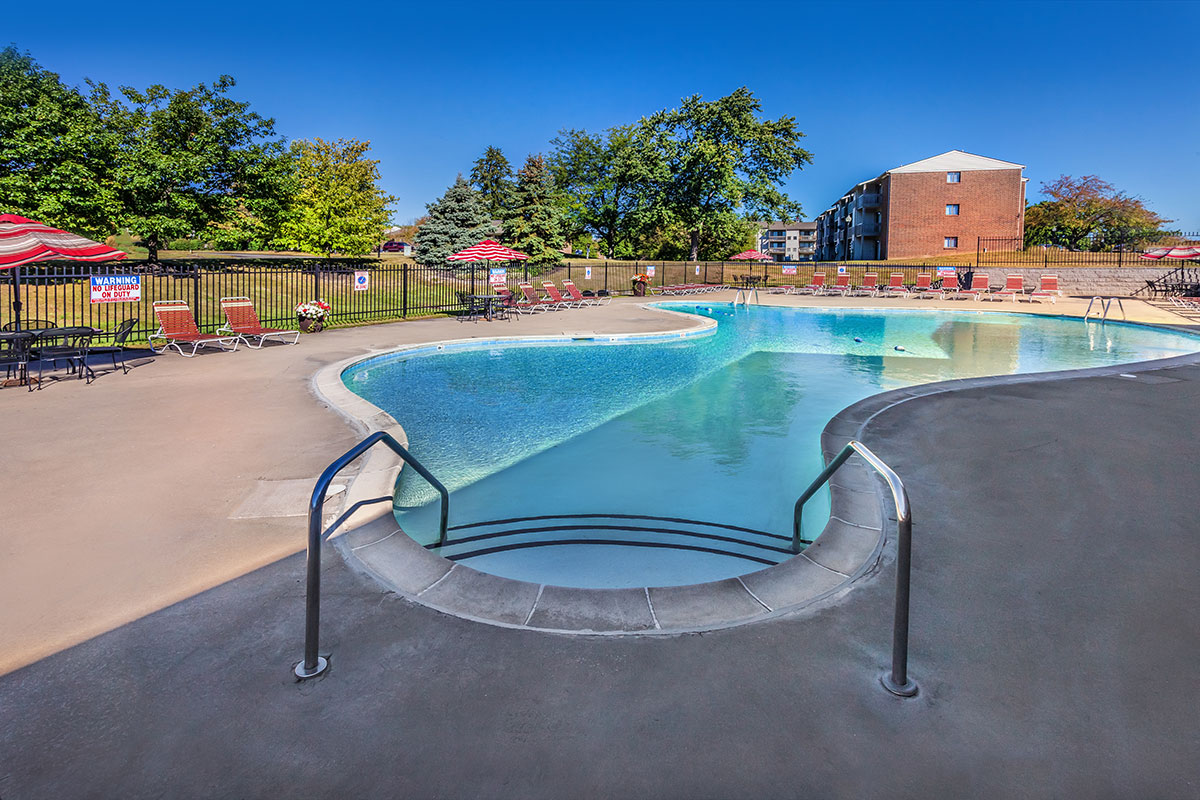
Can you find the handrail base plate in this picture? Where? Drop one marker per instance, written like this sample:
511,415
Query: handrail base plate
304,674
909,689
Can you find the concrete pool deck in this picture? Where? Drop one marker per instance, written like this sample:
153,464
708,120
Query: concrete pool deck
1071,675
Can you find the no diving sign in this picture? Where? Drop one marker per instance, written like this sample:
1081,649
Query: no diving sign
116,288
360,281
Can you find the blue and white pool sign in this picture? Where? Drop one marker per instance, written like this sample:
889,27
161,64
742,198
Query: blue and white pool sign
841,269
497,275
587,273
361,281
116,288
945,271
650,271
697,269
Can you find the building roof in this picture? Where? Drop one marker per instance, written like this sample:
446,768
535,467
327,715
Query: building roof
955,161
787,226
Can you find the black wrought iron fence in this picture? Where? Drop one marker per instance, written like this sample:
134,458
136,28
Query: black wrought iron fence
1091,253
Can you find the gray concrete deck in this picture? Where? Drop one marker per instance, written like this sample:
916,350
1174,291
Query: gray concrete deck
1054,628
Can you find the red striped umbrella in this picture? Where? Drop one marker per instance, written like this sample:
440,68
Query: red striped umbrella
23,240
1172,252
751,255
488,250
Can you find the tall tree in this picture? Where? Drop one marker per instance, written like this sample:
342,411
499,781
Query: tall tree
1088,213
722,159
610,184
492,178
182,156
339,206
456,221
533,222
55,155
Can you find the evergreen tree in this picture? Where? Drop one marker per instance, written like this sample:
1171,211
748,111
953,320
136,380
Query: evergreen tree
456,221
533,223
492,178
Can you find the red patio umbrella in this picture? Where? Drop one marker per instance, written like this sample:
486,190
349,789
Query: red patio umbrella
488,250
1171,252
751,255
23,241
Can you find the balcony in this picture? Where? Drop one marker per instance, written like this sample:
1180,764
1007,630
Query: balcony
870,228
870,200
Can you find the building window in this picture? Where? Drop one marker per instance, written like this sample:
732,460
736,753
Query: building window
952,209
953,177
950,242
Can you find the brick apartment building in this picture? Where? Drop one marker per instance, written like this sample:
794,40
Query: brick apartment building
932,207
788,241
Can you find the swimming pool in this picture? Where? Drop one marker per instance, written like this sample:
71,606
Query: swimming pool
631,464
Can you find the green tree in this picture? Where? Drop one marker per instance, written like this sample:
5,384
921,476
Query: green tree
609,185
721,159
184,159
492,178
1090,214
55,155
533,222
339,206
724,235
456,221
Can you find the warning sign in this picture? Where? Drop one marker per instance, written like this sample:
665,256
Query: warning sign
361,281
116,288
789,270
498,276
650,271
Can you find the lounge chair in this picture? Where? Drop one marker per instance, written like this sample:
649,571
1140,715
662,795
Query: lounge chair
841,285
1047,289
242,320
816,287
785,289
556,297
949,286
1014,286
979,286
924,286
177,328
869,287
895,285
533,301
582,299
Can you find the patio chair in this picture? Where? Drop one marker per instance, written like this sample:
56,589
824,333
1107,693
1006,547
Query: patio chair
29,325
924,287
979,286
15,347
1048,288
117,348
581,298
242,320
1014,286
177,328
949,287
814,288
556,297
895,285
868,288
474,308
841,285
533,302
69,344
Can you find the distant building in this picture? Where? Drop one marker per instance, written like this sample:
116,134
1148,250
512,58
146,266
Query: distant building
933,207
788,241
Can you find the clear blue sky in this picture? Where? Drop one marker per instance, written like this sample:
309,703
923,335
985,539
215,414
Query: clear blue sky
1104,88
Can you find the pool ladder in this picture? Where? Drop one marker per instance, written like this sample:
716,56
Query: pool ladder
1105,306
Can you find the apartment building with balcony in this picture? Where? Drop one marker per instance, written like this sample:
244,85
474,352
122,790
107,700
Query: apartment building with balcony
936,206
788,241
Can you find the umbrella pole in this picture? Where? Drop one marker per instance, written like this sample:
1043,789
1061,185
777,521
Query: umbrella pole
16,298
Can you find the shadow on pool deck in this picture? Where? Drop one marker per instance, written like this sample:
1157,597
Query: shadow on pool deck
1054,632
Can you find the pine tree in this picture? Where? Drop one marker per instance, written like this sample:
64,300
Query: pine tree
456,221
533,222
492,178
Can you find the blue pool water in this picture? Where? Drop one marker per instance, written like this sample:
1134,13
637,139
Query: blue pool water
703,442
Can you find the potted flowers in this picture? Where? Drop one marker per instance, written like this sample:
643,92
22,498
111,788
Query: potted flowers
311,315
639,285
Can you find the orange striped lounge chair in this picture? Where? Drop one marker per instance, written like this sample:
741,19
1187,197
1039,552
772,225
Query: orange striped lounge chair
556,297
1047,290
582,299
895,285
816,287
979,286
868,288
242,320
177,328
1014,286
841,285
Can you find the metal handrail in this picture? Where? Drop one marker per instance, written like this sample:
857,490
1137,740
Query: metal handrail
313,664
897,681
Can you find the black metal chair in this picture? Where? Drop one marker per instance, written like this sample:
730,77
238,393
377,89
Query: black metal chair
29,325
15,347
68,344
117,348
473,307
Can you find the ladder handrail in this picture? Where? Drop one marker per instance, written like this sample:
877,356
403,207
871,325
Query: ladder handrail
313,664
897,681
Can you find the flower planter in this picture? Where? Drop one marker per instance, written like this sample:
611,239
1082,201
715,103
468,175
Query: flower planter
310,325
639,288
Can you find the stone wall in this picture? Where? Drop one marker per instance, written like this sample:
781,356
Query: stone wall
1082,281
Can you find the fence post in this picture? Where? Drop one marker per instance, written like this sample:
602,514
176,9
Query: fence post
473,268
526,271
978,250
1120,256
196,296
317,281
568,270
606,276
404,288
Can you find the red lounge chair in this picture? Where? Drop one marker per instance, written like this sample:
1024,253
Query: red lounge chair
533,302
895,285
582,299
1048,289
841,285
979,286
177,328
1014,286
556,297
242,320
924,286
869,287
816,287
949,286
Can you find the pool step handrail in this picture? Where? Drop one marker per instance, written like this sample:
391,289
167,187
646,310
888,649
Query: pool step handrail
897,681
1104,307
313,664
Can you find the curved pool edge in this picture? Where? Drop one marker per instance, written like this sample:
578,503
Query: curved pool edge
850,548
